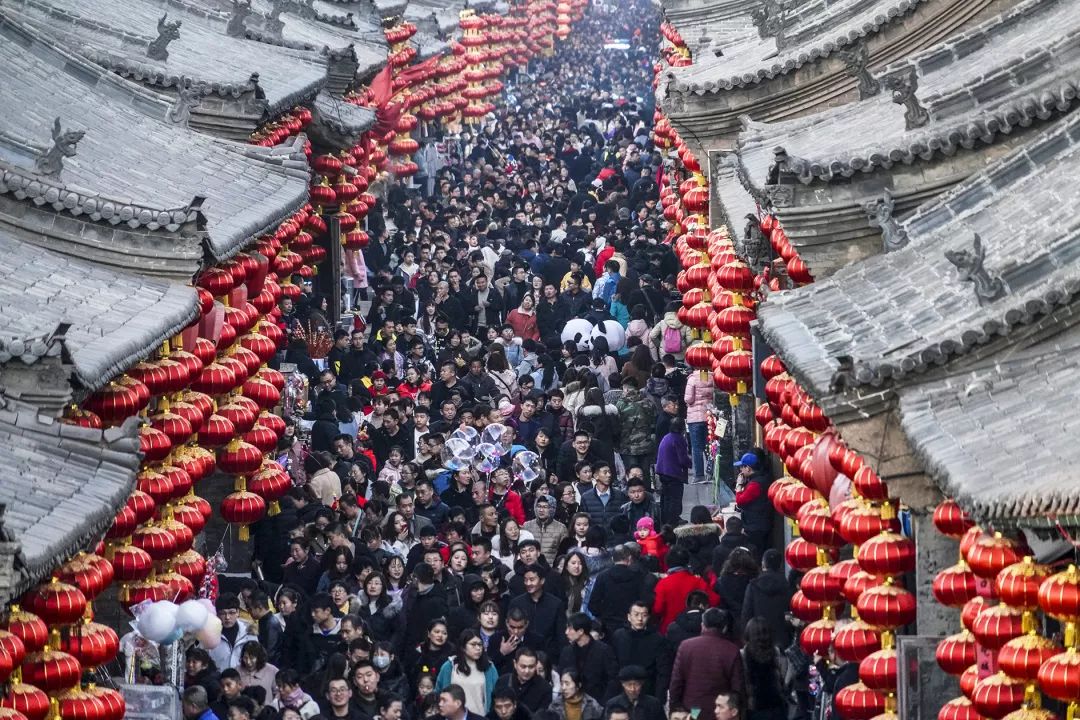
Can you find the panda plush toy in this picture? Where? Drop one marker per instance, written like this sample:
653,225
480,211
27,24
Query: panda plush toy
611,331
580,332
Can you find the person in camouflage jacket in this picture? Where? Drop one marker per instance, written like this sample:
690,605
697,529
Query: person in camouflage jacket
637,418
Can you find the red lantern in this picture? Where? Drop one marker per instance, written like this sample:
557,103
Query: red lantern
886,606
89,572
820,586
1021,657
191,565
153,444
262,392
869,485
216,431
239,458
28,627
955,585
998,695
816,637
142,591
55,602
175,426
817,526
12,649
182,535
243,508
157,485
950,520
805,609
131,564
92,644
858,583
971,610
112,700
878,670
801,555
956,653
858,702
887,554
1059,676
124,523
991,554
180,587
189,515
158,543
958,709
855,641
26,699
241,417
51,669
1059,595
860,524
1018,584
215,379
995,626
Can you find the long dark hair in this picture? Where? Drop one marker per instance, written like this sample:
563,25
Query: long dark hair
460,660
544,360
384,597
505,546
758,639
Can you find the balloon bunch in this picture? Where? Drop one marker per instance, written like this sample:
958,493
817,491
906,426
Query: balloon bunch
482,451
164,622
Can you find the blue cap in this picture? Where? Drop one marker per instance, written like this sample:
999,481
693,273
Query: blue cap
747,460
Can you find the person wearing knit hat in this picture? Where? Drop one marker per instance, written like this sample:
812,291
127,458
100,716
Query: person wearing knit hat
651,542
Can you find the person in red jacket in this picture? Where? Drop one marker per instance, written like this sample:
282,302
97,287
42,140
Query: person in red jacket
671,591
503,498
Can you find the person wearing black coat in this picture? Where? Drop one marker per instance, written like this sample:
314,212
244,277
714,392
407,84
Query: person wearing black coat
687,624
642,705
422,604
615,590
546,613
594,660
732,538
533,691
639,644
326,426
768,596
699,538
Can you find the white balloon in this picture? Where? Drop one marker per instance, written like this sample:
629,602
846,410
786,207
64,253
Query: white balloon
159,621
191,616
210,634
578,330
611,331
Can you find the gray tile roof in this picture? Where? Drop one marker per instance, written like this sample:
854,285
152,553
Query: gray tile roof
62,487
707,26
1010,72
132,164
116,319
892,316
115,34
816,29
975,435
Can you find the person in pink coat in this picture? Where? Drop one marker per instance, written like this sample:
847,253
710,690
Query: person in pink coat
698,397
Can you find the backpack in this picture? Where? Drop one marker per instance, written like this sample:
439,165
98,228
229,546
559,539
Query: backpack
672,339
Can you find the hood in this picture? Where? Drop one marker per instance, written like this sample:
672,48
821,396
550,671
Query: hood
771,583
689,620
672,321
591,410
697,530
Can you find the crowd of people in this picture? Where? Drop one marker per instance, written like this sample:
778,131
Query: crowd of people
395,583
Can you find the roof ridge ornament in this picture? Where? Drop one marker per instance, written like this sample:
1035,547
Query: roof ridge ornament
881,216
51,162
241,11
855,61
167,32
971,268
189,95
903,85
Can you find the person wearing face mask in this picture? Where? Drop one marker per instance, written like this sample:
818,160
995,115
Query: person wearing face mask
391,674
